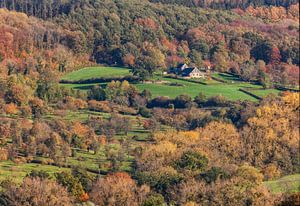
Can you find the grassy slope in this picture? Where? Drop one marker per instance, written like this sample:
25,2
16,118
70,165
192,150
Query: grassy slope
290,183
228,90
83,158
265,92
231,91
94,72
17,172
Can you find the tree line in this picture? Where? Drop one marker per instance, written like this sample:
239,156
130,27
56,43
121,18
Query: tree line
149,37
227,4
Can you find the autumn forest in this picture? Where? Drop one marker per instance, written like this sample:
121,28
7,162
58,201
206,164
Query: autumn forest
93,114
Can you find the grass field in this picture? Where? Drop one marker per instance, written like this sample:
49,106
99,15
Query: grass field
213,88
226,77
264,92
96,72
290,183
137,135
17,172
193,89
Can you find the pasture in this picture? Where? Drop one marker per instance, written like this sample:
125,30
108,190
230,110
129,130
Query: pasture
82,158
164,86
193,89
264,92
290,184
17,172
93,72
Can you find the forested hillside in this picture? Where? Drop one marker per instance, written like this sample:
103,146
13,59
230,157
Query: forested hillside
228,4
55,7
89,115
149,37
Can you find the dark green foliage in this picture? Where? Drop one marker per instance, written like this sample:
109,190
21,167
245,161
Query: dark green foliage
214,174
72,183
262,51
201,121
291,53
252,39
155,200
182,101
227,4
160,182
163,102
85,178
146,94
200,99
77,142
145,112
196,58
216,101
39,173
97,93
192,161
201,47
248,71
263,78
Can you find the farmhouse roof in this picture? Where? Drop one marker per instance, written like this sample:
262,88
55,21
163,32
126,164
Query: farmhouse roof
187,71
182,66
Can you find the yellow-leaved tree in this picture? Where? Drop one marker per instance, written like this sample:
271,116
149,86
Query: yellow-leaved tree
272,135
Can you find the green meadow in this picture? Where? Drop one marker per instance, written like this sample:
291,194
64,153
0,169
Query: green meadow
17,172
290,184
163,86
96,72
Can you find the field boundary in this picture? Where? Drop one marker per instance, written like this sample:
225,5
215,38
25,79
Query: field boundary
100,80
220,80
68,166
282,88
188,80
250,93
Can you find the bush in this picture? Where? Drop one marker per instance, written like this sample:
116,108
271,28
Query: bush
36,191
39,173
126,110
71,183
155,200
214,174
99,106
145,112
97,93
161,180
11,109
182,101
192,161
200,99
160,102
215,101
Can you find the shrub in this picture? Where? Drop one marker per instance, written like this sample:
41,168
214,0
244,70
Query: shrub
36,191
182,101
97,93
11,109
214,174
118,189
145,112
155,200
215,101
71,183
193,161
99,106
160,102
